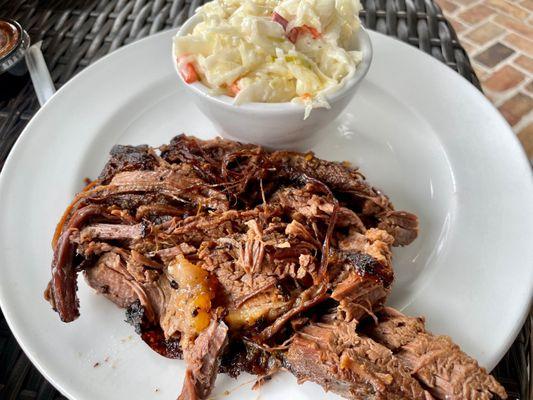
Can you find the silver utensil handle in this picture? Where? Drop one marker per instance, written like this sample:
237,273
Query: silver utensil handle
40,76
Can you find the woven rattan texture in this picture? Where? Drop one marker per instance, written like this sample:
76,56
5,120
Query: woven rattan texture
76,33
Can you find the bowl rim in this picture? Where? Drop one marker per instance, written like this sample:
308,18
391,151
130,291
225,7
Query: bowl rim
201,90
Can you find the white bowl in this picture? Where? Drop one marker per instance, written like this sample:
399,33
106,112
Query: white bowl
273,125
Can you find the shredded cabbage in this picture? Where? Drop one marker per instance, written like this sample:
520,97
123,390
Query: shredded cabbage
273,51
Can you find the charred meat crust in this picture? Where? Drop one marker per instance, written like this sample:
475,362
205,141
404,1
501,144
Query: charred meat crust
238,259
127,158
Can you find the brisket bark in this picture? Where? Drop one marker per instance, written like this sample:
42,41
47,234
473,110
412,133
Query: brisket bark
228,255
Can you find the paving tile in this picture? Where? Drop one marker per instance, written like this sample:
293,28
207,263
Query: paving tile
515,25
525,62
480,71
476,13
458,26
485,33
519,43
494,55
447,6
526,138
527,4
470,48
466,2
508,8
493,98
498,36
503,79
516,107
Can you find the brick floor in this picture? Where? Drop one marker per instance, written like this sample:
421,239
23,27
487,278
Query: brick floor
498,36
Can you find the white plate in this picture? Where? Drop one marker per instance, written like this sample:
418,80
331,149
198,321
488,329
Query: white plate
418,130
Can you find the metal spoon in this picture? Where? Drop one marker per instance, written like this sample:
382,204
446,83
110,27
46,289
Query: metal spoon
39,73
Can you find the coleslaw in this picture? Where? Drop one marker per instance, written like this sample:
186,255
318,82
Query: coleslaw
272,51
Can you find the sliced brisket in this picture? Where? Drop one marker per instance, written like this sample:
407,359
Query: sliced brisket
106,278
228,255
438,363
352,365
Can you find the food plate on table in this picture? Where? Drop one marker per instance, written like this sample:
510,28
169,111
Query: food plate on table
420,133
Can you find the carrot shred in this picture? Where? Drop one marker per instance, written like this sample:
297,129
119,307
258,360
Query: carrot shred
295,32
234,88
316,34
187,71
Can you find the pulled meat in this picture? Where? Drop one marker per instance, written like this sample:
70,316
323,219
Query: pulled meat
227,255
203,361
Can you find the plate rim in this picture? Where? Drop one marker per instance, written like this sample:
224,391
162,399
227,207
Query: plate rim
25,135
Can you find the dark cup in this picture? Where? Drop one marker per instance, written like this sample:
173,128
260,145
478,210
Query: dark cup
14,41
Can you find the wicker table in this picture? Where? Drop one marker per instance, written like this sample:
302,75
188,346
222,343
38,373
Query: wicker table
76,33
